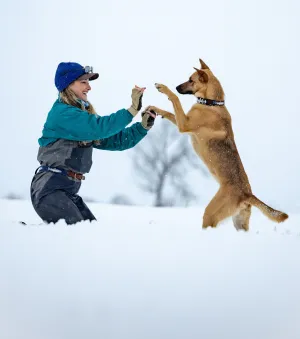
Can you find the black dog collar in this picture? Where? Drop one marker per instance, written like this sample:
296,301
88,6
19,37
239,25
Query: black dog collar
210,102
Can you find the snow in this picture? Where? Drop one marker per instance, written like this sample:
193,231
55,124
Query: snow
143,272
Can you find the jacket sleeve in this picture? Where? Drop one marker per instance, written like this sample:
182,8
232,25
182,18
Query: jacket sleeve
123,140
76,124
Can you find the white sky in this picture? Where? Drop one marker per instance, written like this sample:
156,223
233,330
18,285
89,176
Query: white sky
157,275
252,47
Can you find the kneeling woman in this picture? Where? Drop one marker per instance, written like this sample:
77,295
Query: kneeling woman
71,132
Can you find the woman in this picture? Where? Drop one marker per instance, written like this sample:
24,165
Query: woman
71,132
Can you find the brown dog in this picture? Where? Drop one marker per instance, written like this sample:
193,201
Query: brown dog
209,124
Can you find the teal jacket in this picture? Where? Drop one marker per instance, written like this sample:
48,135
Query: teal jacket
71,123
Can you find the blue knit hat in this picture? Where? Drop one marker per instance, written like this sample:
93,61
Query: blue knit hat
67,72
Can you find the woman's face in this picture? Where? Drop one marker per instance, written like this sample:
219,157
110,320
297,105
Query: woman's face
81,88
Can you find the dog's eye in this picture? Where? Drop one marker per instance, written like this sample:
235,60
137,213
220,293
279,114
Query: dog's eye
191,81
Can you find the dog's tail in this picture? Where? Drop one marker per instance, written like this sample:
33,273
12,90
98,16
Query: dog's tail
268,211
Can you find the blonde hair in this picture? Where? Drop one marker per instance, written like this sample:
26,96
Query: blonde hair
67,96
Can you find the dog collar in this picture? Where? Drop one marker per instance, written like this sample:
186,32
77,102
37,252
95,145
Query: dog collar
210,102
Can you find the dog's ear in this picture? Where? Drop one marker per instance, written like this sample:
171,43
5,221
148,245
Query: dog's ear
203,64
203,77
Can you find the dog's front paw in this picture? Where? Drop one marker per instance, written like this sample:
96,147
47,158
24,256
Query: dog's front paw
162,88
156,110
165,90
152,108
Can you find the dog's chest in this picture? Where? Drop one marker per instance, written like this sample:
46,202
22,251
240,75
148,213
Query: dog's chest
199,146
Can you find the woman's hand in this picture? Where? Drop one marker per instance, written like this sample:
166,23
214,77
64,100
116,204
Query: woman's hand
148,118
136,96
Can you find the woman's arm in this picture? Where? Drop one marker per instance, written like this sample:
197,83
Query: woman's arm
123,140
69,122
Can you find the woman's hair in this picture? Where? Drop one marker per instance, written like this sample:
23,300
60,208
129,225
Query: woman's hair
67,96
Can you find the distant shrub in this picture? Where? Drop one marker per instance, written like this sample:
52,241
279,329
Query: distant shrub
13,196
120,199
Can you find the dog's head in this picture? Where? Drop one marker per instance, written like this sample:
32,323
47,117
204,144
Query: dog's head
202,83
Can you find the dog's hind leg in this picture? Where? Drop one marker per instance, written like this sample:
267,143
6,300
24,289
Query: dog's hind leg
241,220
222,206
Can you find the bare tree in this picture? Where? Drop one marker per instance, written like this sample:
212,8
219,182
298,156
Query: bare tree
162,162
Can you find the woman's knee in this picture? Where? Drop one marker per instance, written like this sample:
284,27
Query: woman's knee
56,206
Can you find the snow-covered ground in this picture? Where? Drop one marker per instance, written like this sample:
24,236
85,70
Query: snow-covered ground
147,273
